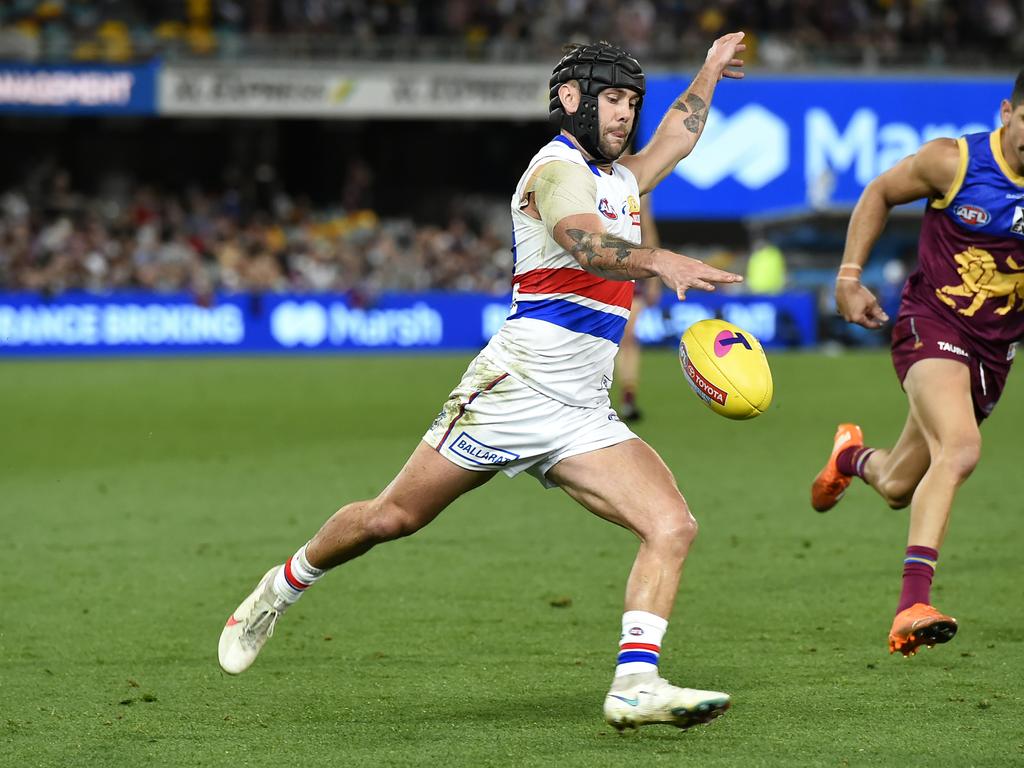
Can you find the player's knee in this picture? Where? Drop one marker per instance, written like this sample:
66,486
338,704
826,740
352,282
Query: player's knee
899,502
959,459
387,521
897,491
676,531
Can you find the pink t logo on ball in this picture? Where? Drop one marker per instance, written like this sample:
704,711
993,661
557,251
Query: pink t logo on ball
725,340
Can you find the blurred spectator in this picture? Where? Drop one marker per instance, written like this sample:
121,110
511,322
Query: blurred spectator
784,33
138,237
766,269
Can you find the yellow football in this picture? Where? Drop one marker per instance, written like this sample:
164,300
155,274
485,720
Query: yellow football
727,368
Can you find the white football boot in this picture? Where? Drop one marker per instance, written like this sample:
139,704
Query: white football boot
651,700
250,626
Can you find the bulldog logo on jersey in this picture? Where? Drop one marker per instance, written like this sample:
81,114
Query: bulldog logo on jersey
634,209
606,209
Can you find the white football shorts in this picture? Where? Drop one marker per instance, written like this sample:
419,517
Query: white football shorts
493,421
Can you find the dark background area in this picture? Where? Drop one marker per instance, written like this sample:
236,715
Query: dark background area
415,167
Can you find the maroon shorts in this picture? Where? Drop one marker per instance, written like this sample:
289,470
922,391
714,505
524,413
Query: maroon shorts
920,338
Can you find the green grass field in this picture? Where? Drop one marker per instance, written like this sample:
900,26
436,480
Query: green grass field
141,500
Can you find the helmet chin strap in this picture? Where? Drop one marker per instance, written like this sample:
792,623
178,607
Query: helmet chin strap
585,127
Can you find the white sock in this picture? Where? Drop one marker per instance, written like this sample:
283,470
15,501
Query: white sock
640,643
295,577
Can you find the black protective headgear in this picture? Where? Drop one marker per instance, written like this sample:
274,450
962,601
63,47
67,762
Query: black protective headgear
594,67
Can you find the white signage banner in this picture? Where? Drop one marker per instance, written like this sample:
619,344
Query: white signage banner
396,91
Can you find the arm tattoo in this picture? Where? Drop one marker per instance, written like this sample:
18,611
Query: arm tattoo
615,265
694,104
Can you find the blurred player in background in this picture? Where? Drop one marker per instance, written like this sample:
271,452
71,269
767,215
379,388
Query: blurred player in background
627,362
961,314
536,398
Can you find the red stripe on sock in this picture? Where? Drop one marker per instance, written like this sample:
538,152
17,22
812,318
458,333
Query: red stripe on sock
293,582
640,647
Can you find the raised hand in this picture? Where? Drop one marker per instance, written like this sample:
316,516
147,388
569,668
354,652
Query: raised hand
724,55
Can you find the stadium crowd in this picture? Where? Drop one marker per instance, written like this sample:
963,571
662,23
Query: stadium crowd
55,240
782,33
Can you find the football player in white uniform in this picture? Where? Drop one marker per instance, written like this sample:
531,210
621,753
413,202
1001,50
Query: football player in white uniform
536,398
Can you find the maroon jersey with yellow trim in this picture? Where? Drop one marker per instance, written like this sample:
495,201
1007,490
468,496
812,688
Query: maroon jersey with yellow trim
970,270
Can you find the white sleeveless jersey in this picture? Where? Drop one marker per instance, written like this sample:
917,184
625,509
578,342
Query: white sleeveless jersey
565,323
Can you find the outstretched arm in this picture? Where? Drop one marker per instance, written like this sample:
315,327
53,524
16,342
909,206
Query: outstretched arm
928,174
563,196
684,122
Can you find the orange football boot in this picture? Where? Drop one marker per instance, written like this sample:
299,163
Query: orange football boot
830,484
918,625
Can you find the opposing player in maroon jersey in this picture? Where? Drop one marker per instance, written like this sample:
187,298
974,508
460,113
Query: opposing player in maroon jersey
961,314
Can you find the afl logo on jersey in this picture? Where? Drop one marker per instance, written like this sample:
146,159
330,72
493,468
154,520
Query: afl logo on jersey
974,215
606,209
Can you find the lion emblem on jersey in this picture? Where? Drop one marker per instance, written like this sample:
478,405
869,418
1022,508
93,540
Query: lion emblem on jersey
982,281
